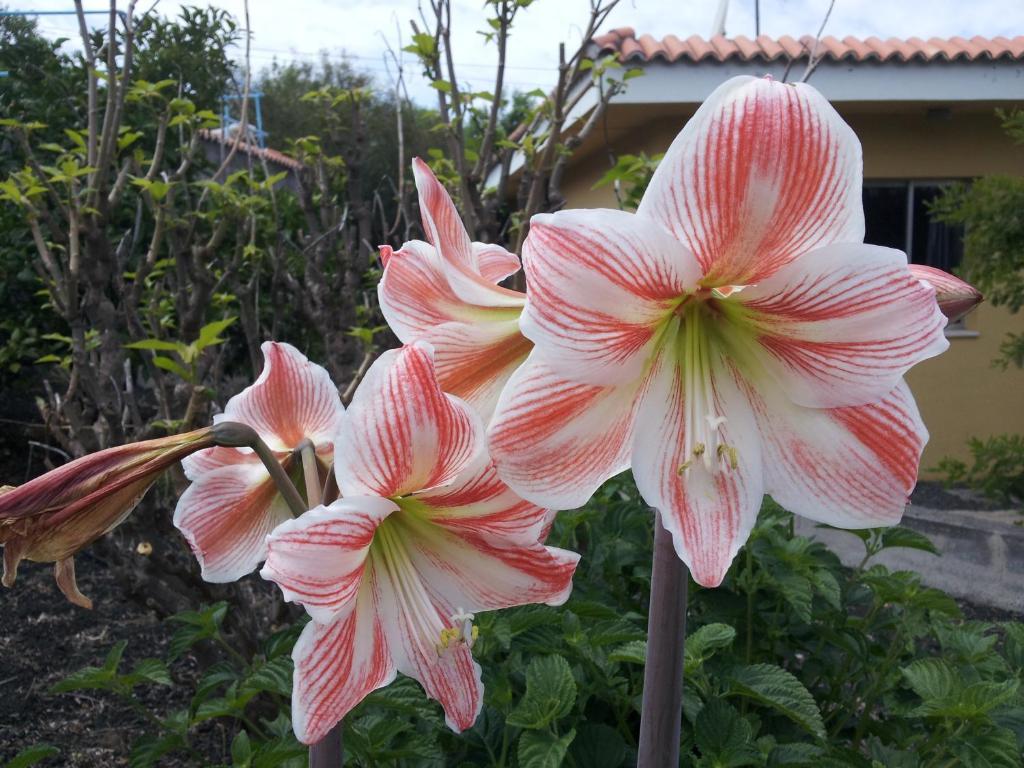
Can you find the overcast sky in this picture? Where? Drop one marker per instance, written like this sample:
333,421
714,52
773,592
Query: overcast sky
299,29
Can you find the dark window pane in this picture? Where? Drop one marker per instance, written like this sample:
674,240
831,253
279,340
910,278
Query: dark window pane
885,215
935,244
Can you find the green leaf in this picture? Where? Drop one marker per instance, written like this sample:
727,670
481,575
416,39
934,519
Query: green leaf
550,693
540,749
775,687
702,644
725,739
94,678
598,746
274,676
794,755
931,679
241,750
907,538
209,334
988,747
32,755
148,749
157,344
167,364
633,652
150,671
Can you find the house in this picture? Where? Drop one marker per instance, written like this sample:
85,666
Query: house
925,113
216,146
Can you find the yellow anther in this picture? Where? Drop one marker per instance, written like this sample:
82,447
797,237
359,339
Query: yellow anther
683,467
474,636
698,450
730,452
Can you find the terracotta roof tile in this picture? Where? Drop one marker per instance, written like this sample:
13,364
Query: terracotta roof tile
624,42
268,154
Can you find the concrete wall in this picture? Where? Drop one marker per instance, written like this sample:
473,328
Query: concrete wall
960,394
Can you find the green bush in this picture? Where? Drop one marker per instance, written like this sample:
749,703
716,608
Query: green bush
794,661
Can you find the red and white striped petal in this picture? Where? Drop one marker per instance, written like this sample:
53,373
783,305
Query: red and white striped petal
318,559
601,284
848,467
555,441
414,615
415,296
763,172
709,512
841,325
479,501
337,665
401,433
494,262
226,514
214,458
474,361
447,233
292,399
476,571
955,297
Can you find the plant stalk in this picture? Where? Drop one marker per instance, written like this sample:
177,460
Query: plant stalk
661,713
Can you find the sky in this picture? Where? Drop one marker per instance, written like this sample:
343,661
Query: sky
300,29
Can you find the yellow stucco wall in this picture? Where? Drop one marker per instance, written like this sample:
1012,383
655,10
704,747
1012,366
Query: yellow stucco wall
960,394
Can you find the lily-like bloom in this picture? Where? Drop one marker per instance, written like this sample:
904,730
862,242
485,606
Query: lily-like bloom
955,297
446,293
232,503
52,517
734,337
424,536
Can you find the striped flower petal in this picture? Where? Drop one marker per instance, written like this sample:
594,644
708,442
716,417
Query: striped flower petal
318,560
494,262
226,514
338,664
955,297
601,284
848,467
401,433
446,232
841,325
708,498
762,173
292,399
555,441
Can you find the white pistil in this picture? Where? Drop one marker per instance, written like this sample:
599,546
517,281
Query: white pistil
702,425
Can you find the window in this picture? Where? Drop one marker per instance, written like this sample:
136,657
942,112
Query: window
896,215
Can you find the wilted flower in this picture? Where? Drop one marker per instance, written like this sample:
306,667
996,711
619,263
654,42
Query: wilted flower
734,337
233,503
446,293
424,536
52,517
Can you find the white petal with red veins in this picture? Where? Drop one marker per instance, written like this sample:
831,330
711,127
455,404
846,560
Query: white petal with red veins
226,514
401,433
447,233
291,400
337,665
841,325
495,262
318,560
763,172
848,467
555,441
602,284
709,511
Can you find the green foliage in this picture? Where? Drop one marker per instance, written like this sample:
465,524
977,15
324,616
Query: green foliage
32,755
793,661
997,471
629,178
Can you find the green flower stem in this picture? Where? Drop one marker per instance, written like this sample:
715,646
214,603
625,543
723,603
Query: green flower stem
661,713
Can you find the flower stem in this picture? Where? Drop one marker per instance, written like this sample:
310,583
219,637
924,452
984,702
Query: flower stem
231,434
661,713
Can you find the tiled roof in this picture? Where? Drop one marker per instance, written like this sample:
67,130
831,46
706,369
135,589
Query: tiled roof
629,47
268,154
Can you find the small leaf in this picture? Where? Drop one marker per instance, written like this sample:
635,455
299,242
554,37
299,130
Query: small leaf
723,737
550,693
779,689
598,746
241,750
540,749
32,755
157,344
907,538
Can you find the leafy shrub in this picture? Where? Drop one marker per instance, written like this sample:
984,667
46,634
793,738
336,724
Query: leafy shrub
997,471
794,661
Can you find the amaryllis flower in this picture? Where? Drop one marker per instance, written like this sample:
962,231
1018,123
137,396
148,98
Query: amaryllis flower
446,292
52,517
232,503
424,537
734,337
955,297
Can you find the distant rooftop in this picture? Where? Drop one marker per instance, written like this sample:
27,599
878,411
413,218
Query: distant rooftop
624,42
